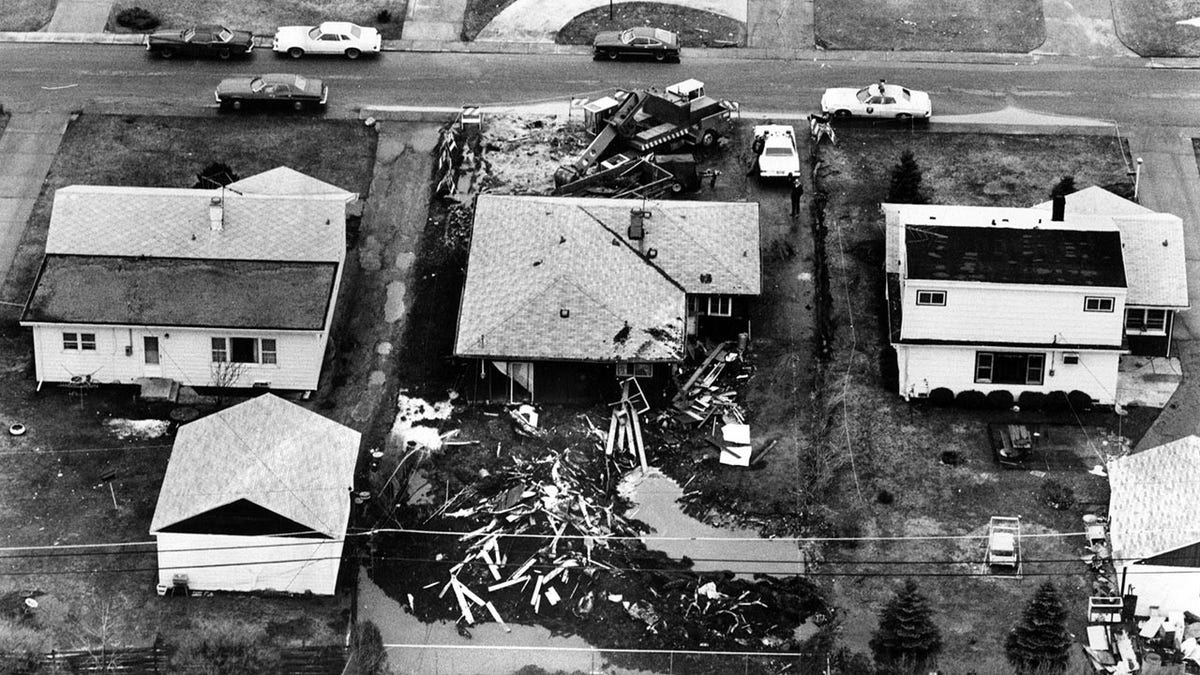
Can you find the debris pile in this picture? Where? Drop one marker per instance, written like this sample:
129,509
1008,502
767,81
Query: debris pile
517,149
625,425
710,395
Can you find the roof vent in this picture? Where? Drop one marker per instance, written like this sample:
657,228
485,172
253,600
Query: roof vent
706,278
216,214
564,313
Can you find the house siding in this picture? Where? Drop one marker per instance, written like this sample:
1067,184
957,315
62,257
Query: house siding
1011,313
185,355
1146,344
232,563
923,368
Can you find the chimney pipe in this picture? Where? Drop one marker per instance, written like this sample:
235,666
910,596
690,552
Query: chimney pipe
216,214
637,226
1058,209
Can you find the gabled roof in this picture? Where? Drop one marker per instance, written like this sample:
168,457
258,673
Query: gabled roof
1015,256
1096,200
267,451
1153,508
266,222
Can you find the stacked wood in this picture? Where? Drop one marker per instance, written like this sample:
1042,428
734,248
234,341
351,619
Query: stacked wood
625,425
710,392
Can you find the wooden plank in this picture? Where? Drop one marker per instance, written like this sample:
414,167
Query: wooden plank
641,448
612,435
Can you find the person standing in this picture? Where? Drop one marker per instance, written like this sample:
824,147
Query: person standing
797,192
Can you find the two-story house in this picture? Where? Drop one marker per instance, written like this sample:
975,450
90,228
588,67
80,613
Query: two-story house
229,287
564,295
987,298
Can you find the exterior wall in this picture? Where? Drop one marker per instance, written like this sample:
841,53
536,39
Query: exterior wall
1011,313
923,368
185,355
1171,589
230,563
1149,344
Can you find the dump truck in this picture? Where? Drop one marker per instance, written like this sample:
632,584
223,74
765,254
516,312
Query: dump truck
649,120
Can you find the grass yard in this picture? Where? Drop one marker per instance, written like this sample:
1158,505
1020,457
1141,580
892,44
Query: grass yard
696,28
263,16
480,13
1150,28
930,25
891,480
57,476
25,15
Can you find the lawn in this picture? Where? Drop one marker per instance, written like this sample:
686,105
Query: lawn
930,25
891,480
696,28
25,15
263,16
71,479
479,14
1150,28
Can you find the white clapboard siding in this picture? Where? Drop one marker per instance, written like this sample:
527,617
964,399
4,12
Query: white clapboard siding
185,355
1011,313
232,563
923,368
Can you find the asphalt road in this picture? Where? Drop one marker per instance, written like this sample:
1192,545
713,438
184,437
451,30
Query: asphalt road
65,77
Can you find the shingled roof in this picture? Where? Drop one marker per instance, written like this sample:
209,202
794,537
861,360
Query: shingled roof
1152,504
559,278
266,451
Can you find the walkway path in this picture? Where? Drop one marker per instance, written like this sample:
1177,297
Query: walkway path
434,20
780,24
27,149
540,20
79,16
1081,28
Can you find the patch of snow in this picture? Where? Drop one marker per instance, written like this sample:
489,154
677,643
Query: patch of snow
140,430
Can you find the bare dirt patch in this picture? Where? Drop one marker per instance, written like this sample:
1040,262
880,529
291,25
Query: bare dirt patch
920,25
696,28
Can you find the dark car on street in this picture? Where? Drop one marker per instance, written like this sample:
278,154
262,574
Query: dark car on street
202,40
640,41
272,90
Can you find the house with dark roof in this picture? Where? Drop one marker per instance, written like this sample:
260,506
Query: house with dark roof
1027,299
565,295
256,497
1153,513
231,287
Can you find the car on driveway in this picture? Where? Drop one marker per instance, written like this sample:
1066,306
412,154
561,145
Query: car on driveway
889,101
332,37
272,90
200,40
640,41
775,145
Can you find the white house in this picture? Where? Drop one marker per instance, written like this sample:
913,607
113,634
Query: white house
1021,299
256,497
232,286
565,294
1153,512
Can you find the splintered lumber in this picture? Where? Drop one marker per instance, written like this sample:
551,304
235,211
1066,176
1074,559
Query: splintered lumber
468,593
496,615
506,584
637,436
463,606
717,351
612,434
536,600
552,595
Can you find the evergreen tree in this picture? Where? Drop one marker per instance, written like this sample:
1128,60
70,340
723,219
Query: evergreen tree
907,640
1063,187
215,175
1040,643
905,187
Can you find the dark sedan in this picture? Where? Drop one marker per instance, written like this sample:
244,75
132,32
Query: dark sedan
641,41
203,40
276,89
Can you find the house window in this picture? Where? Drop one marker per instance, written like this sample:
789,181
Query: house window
1009,368
79,341
245,350
635,370
1153,321
710,305
1095,304
931,298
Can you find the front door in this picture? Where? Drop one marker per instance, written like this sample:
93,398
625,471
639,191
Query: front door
150,349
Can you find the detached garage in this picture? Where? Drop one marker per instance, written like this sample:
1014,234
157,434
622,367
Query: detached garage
256,498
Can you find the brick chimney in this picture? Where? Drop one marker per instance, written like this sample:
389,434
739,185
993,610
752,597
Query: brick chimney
216,214
637,226
1058,209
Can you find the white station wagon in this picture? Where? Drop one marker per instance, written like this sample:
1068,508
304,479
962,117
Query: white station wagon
331,37
889,101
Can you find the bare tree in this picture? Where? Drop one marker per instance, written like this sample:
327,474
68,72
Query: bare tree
226,374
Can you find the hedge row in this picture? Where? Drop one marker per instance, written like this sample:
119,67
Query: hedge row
970,399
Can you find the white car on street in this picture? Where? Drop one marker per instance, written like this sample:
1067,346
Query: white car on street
331,37
889,101
775,145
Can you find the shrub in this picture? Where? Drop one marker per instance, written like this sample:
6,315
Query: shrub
905,186
136,18
1080,401
971,400
884,497
384,16
941,397
1056,495
1056,401
21,649
1000,399
225,648
215,175
1031,400
1063,187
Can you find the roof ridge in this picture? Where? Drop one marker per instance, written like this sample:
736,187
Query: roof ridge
712,256
629,247
529,299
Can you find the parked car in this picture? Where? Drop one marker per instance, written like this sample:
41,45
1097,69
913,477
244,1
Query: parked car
877,100
639,41
276,89
331,37
200,40
775,145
